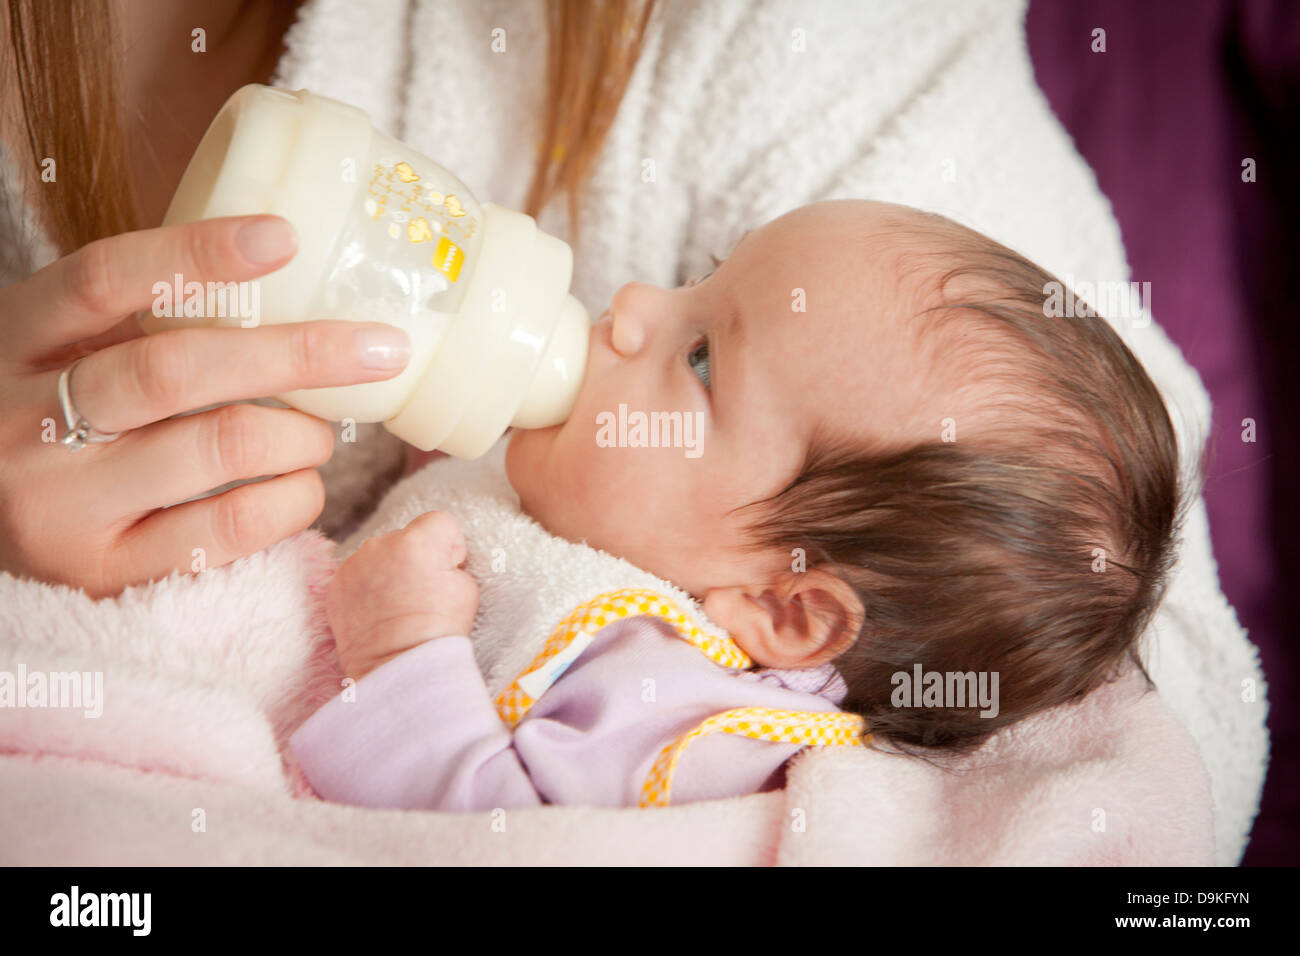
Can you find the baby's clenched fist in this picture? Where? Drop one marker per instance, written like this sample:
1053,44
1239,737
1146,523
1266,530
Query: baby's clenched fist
399,590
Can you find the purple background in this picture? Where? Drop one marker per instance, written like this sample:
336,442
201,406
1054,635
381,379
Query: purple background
1184,92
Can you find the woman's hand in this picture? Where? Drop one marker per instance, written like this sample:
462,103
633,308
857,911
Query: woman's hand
399,590
94,518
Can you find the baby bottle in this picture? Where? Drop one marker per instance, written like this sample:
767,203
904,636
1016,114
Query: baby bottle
385,234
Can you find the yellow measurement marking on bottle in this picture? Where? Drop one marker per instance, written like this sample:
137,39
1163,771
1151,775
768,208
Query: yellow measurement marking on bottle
448,258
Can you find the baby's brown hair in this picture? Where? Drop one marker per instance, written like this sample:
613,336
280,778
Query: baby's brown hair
1035,545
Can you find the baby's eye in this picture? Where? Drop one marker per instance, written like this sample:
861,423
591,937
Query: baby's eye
698,360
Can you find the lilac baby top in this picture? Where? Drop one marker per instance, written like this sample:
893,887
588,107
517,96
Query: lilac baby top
423,732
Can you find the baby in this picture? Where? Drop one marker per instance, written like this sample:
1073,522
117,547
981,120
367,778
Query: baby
905,465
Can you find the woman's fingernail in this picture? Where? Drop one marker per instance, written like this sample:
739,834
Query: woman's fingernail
266,240
383,346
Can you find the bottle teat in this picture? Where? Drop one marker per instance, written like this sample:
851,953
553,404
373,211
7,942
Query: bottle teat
551,396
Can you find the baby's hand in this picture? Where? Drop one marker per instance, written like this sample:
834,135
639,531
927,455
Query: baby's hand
401,589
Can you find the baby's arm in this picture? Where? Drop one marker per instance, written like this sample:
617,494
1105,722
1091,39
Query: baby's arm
418,730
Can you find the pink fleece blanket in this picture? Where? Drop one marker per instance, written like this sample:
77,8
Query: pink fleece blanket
205,676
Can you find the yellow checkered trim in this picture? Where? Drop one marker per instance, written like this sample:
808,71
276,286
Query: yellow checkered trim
512,703
807,728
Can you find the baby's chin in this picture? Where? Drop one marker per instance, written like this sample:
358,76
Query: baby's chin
537,468
525,457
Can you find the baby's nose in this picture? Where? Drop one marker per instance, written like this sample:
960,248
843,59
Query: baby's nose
627,335
629,311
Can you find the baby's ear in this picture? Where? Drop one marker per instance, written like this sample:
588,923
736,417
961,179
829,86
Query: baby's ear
802,620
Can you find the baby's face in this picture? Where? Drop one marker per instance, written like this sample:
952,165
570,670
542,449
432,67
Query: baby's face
799,329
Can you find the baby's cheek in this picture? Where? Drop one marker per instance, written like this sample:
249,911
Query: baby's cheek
639,496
